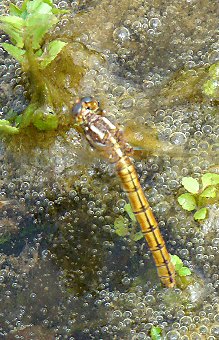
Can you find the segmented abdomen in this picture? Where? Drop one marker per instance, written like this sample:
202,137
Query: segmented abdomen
146,219
107,138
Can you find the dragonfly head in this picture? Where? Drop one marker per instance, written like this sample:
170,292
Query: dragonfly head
84,106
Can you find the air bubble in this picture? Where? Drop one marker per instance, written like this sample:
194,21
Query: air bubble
154,23
207,129
173,335
121,34
178,138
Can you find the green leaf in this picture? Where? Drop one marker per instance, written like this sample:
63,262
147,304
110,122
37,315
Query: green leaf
5,127
49,2
184,271
138,236
12,21
38,53
58,11
178,264
44,120
209,192
14,10
210,179
155,333
14,35
176,261
25,119
15,51
214,70
201,214
129,211
52,50
120,228
187,201
119,221
190,184
210,87
122,231
38,7
37,26
24,5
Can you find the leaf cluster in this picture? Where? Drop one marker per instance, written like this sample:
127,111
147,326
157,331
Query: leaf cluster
122,225
26,27
179,268
199,194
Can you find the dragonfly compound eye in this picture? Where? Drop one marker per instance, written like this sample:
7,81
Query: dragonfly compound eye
77,108
87,100
83,106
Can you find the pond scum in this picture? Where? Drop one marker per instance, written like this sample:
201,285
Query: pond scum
68,269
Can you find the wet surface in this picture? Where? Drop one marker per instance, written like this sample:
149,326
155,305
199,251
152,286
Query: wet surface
65,273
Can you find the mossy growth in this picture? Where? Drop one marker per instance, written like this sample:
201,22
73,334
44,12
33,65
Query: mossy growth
199,195
211,86
197,84
47,63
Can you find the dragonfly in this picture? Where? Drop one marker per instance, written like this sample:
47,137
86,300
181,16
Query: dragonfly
109,140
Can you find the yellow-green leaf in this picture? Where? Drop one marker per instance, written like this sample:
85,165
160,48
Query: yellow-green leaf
39,7
129,211
14,10
12,21
52,50
5,127
138,236
15,51
187,201
190,184
210,179
38,25
14,35
38,53
24,5
209,192
156,333
184,271
44,120
201,214
25,119
176,261
120,226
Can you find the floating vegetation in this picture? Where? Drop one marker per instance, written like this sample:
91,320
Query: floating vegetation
199,196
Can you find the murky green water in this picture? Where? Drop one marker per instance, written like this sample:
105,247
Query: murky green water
65,273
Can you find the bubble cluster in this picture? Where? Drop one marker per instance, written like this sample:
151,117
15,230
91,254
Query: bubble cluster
64,272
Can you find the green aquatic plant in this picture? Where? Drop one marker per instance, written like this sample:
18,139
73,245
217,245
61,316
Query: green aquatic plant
123,228
155,333
199,195
179,268
211,86
27,27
